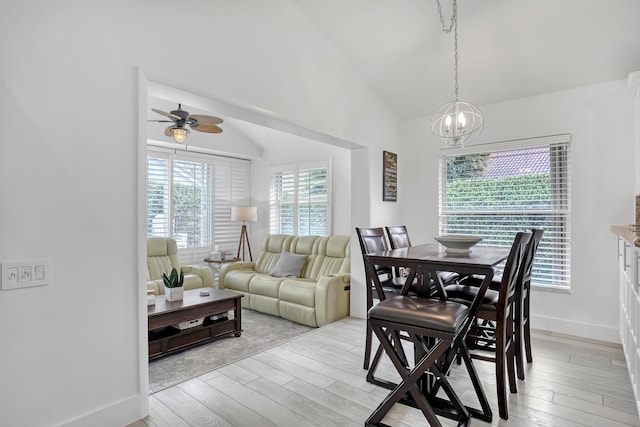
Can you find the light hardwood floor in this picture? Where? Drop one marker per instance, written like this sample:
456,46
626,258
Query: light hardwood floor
317,379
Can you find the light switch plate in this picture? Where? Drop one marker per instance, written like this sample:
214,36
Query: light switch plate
25,274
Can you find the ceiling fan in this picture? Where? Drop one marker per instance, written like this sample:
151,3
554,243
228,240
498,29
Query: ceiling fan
181,119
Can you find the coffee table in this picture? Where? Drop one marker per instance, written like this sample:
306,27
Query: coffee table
165,339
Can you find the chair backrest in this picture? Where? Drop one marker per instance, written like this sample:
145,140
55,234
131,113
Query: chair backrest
512,268
272,246
162,256
331,255
398,236
524,275
373,240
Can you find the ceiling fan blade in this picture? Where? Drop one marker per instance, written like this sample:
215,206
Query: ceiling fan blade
204,120
208,128
161,121
173,116
167,131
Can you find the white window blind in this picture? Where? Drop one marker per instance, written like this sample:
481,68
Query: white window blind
496,190
231,188
300,199
189,198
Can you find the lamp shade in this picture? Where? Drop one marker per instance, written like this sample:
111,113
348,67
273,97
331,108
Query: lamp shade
244,213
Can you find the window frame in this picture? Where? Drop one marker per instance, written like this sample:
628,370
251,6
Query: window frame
275,204
560,246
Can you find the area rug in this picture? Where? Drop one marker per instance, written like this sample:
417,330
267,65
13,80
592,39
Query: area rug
259,332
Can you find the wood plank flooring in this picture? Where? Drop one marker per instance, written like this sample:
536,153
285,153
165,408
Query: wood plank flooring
317,380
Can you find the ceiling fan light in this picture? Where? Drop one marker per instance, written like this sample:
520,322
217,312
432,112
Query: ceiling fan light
180,135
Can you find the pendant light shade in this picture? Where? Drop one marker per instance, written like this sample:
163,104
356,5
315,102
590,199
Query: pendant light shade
457,122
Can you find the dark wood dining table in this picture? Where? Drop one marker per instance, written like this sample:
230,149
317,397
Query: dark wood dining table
424,261
432,257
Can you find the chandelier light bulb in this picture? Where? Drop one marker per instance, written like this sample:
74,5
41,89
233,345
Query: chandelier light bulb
461,121
447,123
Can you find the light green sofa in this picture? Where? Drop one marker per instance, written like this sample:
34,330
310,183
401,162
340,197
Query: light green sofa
317,296
162,256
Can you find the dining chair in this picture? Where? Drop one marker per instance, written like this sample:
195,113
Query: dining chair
438,329
492,337
399,238
521,316
374,240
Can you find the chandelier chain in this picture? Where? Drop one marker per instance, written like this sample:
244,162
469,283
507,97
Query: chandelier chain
456,122
452,26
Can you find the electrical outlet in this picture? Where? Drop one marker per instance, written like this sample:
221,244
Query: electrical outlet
25,274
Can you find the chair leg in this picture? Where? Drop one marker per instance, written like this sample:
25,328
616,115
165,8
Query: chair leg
501,387
409,380
397,342
367,347
527,333
484,413
510,355
367,344
518,341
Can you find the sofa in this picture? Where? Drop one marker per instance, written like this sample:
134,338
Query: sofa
305,279
162,256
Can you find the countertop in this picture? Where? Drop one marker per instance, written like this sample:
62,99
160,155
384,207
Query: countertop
629,233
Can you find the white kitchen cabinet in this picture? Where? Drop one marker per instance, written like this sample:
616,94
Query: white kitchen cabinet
629,317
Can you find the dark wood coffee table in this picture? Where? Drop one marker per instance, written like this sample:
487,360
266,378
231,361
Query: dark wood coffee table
165,339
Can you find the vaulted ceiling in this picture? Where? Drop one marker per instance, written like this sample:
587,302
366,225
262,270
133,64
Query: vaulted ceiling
508,48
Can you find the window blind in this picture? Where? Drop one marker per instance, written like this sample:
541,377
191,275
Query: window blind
158,196
231,188
189,198
299,199
496,193
191,201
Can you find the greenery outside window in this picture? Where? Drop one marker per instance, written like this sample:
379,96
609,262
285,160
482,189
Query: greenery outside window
300,200
496,190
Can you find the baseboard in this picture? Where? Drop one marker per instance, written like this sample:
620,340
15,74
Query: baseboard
121,413
584,330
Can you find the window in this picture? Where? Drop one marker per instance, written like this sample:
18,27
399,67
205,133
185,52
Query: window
496,190
300,200
189,198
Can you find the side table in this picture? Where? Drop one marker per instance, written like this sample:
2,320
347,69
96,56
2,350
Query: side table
216,265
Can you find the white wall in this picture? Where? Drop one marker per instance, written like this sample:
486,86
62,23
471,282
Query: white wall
600,120
69,170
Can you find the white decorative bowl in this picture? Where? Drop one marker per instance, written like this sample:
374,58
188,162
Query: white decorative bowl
456,244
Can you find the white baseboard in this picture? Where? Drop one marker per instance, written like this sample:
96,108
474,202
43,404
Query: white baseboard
579,329
121,413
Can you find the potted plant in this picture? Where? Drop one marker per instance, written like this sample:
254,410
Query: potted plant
173,285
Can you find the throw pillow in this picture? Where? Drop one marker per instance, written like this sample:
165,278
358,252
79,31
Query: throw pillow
289,265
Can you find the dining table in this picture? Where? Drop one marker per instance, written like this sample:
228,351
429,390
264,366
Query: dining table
423,262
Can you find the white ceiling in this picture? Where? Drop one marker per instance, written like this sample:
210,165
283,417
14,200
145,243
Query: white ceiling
508,48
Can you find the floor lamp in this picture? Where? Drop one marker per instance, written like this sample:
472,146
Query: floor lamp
244,214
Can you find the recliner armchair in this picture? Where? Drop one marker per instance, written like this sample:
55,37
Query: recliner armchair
162,256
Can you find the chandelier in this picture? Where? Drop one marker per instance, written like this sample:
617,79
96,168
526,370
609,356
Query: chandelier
456,122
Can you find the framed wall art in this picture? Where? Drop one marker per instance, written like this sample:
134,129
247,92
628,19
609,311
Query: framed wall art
389,177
